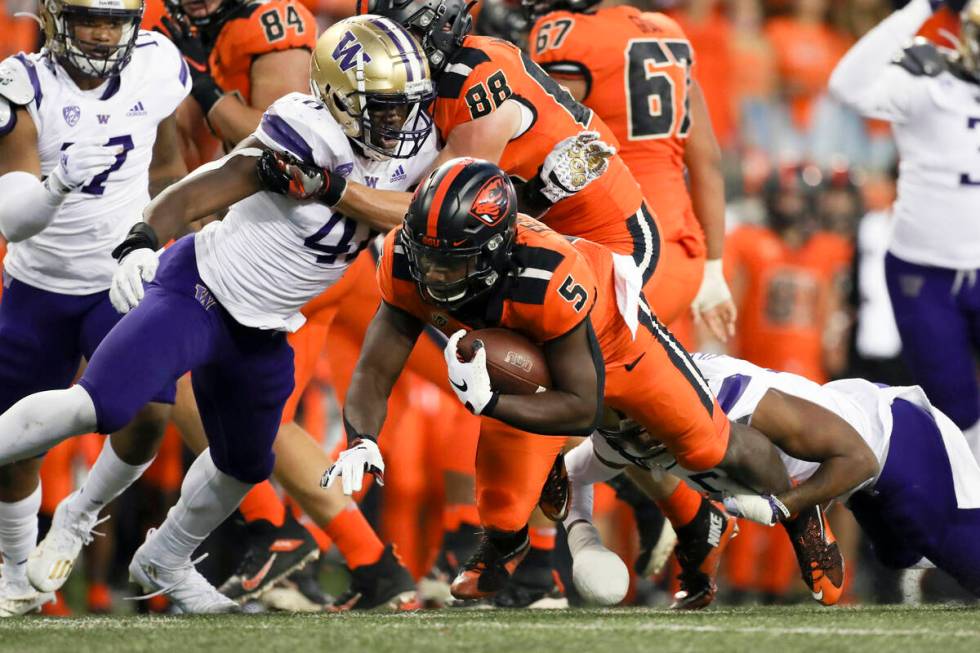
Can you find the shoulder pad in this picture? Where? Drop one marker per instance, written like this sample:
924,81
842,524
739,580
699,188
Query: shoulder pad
922,59
15,82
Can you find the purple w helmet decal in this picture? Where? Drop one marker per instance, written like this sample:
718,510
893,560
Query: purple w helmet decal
346,52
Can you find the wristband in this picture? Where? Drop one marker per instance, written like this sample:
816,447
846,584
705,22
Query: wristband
353,435
488,409
141,236
206,92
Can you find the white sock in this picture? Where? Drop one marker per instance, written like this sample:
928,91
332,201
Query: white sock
109,477
207,497
39,421
584,470
18,535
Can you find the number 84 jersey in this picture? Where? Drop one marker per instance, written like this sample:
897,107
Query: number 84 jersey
271,254
72,255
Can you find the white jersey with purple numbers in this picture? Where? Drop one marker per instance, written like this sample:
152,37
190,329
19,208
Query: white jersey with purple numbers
935,117
72,255
739,387
272,254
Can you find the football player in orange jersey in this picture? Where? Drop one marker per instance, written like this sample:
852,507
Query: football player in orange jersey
463,259
638,79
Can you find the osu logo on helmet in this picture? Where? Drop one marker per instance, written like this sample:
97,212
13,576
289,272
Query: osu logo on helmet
492,203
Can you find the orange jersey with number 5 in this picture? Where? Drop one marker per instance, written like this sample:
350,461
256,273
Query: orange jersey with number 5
485,73
637,70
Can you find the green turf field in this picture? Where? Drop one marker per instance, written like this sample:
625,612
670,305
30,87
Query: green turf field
937,629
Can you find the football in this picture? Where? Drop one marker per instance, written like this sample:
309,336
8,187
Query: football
516,365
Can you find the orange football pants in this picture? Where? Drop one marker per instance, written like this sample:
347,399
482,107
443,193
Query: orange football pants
659,390
675,283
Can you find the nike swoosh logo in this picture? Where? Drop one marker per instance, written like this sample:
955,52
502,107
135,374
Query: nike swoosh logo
630,366
249,584
461,388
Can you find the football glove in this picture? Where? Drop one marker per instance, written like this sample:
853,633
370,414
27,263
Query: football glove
197,56
134,268
362,457
283,174
762,508
470,380
713,303
573,164
79,162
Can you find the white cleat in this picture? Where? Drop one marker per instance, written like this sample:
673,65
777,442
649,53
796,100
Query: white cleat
52,561
18,599
186,588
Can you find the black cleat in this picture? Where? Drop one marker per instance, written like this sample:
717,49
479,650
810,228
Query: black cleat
385,585
557,491
271,555
533,585
488,570
699,548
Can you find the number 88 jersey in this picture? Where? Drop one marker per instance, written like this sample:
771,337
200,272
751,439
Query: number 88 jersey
637,69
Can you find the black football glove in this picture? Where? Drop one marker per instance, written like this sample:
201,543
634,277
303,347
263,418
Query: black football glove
286,175
203,87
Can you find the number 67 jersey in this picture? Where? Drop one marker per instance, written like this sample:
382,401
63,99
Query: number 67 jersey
271,254
72,255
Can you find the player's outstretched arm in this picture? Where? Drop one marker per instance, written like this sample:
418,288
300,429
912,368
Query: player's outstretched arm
388,342
702,156
573,406
810,432
167,165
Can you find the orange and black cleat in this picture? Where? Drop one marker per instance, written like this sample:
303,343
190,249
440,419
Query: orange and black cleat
489,569
557,492
699,548
818,555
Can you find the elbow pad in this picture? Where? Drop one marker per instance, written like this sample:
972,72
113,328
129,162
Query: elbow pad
28,205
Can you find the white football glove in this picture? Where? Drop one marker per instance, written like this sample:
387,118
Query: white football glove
362,457
136,267
470,380
573,164
762,508
80,162
713,304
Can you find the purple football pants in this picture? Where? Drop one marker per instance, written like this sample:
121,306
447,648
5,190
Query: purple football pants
241,376
938,315
44,335
911,512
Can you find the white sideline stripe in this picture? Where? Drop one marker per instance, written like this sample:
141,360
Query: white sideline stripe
400,622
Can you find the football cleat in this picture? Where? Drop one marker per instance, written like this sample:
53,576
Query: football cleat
490,567
273,553
383,585
186,588
457,545
18,599
534,585
818,555
699,548
51,561
557,491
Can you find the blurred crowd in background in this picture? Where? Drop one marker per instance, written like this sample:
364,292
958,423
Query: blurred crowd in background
809,186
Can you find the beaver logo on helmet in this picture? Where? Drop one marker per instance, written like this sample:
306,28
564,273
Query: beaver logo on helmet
492,202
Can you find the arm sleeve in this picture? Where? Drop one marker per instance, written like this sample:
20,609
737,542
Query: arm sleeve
28,206
865,79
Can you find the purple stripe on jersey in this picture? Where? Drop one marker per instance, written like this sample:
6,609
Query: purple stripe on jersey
32,74
280,131
112,87
183,72
732,389
401,50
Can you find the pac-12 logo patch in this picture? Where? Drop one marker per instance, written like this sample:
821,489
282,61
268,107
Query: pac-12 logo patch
71,114
347,51
492,203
